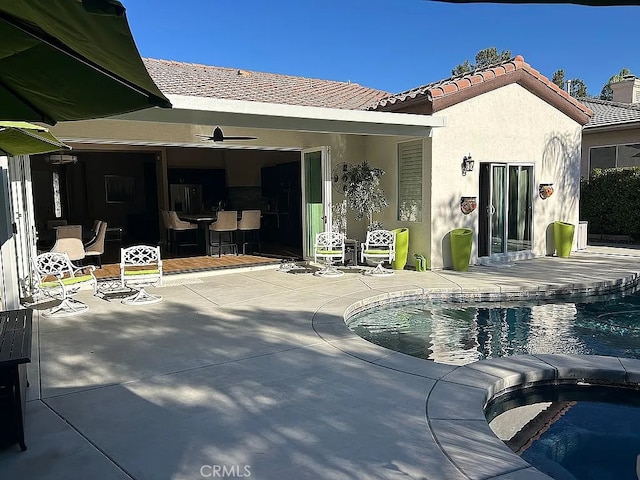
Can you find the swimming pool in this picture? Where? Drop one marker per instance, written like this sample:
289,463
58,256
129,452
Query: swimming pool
461,333
572,432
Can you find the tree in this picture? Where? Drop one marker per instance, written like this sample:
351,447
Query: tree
484,58
607,91
364,193
577,87
558,78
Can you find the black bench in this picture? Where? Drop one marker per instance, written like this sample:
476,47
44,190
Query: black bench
15,352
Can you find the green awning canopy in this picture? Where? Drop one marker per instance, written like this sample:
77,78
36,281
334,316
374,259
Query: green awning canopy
22,138
70,60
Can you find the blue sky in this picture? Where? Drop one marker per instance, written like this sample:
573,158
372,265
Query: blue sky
392,45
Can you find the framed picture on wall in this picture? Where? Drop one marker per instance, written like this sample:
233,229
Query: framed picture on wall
119,189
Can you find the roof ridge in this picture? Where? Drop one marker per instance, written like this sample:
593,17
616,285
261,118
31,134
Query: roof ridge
611,103
436,91
460,76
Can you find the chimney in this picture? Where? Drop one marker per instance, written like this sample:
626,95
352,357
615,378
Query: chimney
627,90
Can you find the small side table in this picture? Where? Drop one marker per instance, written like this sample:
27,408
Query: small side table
352,248
15,352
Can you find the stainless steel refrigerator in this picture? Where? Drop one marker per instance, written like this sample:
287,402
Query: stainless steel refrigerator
185,198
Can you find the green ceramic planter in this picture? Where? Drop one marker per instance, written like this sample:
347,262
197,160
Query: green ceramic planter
563,238
461,241
402,248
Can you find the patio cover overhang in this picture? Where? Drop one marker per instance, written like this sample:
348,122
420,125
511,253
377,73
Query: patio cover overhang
248,114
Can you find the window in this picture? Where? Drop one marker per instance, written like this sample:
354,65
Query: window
614,156
628,155
410,181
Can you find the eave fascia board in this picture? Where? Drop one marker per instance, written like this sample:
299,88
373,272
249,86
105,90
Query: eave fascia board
608,127
238,113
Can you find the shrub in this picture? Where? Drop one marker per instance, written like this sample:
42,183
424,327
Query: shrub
609,200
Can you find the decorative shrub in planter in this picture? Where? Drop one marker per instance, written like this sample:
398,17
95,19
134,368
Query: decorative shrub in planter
364,193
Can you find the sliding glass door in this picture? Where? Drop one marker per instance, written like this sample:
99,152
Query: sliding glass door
506,213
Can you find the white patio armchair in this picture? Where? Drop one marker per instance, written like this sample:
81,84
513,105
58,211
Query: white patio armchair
329,247
140,267
57,278
379,247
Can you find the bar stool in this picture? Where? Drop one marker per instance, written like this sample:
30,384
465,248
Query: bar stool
250,222
227,222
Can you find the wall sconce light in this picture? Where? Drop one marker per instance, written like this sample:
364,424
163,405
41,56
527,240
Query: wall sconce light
467,164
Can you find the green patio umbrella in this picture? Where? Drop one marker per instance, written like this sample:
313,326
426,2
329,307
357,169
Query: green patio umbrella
70,60
22,138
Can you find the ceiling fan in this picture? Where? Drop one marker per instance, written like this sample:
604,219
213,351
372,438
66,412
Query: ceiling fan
219,137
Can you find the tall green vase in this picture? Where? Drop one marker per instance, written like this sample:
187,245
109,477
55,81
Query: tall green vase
402,248
563,238
461,242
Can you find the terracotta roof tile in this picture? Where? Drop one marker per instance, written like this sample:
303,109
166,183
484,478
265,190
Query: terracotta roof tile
501,72
181,78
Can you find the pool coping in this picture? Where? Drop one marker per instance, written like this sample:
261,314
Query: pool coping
455,404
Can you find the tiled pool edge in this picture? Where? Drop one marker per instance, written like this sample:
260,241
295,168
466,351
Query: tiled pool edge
603,287
455,404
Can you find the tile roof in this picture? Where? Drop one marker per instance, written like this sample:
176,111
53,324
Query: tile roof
444,93
606,113
192,79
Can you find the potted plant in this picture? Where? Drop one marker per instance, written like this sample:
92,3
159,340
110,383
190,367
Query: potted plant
364,193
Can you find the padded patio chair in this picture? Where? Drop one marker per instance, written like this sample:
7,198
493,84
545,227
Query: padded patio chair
250,223
95,247
57,278
69,241
226,223
379,247
176,229
329,247
140,267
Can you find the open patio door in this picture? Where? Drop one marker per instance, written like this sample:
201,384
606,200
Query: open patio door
316,196
24,219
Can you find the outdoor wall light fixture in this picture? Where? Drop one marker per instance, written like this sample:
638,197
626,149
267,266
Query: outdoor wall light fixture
467,164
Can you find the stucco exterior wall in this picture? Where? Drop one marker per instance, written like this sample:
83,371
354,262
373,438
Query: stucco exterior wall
507,125
383,152
620,136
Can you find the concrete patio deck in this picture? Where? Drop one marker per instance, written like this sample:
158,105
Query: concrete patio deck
254,374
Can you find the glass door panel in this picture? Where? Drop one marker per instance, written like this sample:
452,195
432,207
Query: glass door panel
315,196
498,208
520,211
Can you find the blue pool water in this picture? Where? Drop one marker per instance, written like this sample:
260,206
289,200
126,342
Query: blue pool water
573,432
458,333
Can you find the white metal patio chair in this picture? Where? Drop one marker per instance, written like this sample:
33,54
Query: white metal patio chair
329,247
57,278
379,247
140,267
